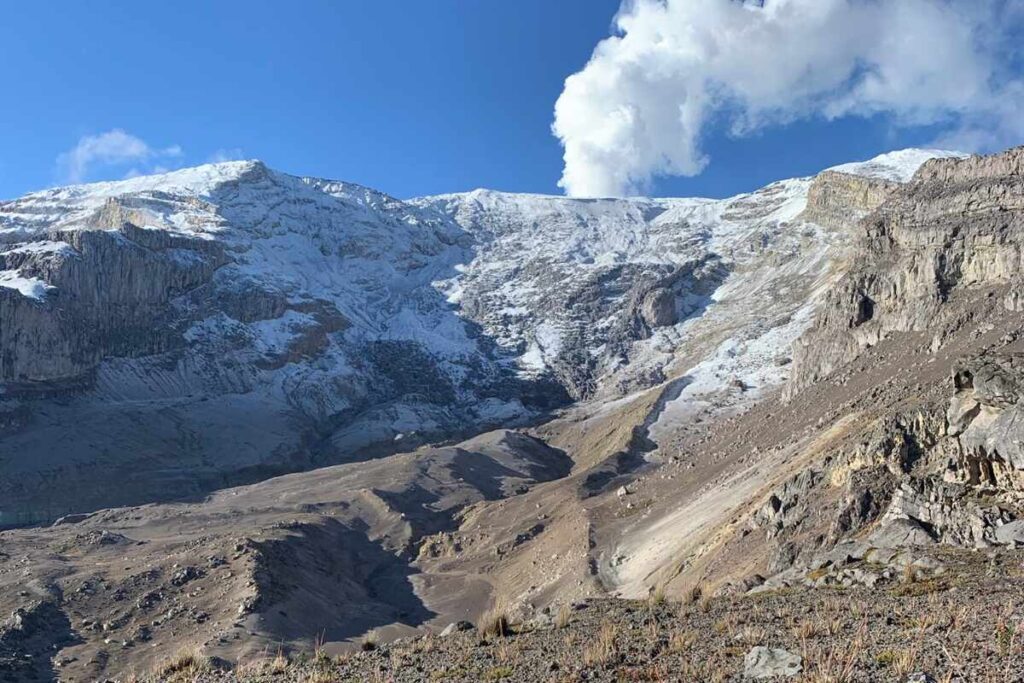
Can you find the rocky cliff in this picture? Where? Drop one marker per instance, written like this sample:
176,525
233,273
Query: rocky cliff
218,325
838,199
955,227
930,309
311,321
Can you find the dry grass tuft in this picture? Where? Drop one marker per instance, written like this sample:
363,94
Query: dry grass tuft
564,616
603,649
279,664
656,596
904,662
187,665
837,664
751,635
682,640
370,642
494,623
693,595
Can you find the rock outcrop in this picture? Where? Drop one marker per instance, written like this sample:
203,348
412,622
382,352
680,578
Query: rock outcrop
958,226
109,294
987,416
839,200
218,325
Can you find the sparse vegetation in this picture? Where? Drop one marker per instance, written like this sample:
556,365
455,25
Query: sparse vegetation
320,657
682,640
602,650
904,662
955,635
494,623
184,667
1006,634
918,587
657,596
369,642
279,664
498,673
693,595
563,616
835,663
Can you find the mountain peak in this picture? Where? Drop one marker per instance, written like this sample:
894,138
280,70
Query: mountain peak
896,166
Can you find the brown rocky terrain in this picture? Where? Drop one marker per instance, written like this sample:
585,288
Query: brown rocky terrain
248,568
957,620
863,517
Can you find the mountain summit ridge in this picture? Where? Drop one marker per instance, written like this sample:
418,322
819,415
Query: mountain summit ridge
811,387
172,309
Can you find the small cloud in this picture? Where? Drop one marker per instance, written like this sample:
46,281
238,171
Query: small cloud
112,149
225,154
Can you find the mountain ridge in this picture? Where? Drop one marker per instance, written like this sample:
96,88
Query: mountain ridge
351,322
818,391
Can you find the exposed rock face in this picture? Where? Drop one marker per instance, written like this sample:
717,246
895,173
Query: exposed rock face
838,200
659,308
939,473
218,325
221,324
609,294
110,294
986,414
957,226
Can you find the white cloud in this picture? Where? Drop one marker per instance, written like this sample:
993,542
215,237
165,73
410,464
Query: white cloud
225,154
641,105
112,149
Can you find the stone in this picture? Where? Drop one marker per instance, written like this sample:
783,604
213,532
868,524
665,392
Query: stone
456,627
659,308
765,662
1011,534
927,564
183,576
901,533
920,677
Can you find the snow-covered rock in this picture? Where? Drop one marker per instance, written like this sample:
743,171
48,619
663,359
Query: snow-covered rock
225,323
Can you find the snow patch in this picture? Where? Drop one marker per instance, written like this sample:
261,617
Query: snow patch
899,166
30,287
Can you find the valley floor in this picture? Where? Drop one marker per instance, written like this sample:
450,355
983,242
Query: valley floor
960,625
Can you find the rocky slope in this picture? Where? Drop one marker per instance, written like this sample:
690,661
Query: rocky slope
224,324
901,420
325,554
960,626
781,390
956,228
219,325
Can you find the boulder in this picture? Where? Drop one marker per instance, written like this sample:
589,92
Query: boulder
659,308
766,662
1011,534
456,627
901,533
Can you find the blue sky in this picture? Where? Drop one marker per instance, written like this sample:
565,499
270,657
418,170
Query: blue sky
406,96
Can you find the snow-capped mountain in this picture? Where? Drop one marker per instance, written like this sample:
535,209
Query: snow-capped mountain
222,323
